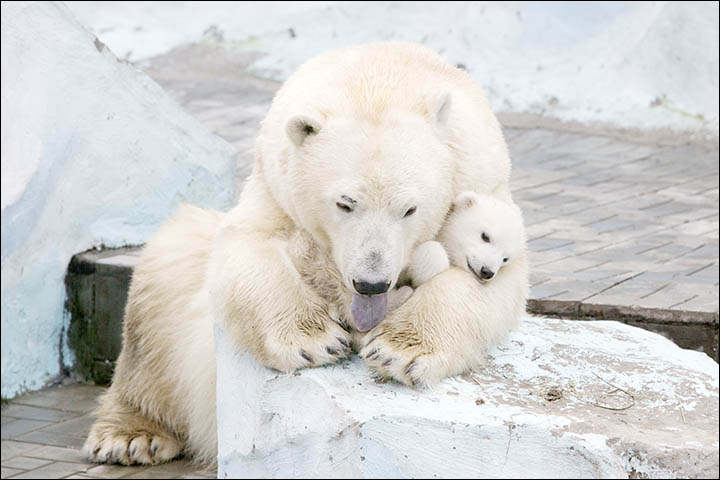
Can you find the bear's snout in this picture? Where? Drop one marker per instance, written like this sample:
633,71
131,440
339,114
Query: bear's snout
486,273
367,288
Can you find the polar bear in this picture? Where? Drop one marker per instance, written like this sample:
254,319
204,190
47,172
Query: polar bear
365,149
482,234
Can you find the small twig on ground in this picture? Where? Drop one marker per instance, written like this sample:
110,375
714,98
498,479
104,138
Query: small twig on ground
682,412
617,389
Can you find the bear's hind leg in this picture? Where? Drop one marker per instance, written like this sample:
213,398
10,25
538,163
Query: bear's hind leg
123,435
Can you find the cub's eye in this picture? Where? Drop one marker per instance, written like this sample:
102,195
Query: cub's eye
505,260
485,237
343,207
410,211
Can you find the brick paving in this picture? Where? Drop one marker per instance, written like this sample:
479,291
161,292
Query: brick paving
610,221
42,433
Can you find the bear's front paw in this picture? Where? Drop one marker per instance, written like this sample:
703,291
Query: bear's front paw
401,356
327,343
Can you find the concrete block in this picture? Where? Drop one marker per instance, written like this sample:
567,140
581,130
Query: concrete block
556,399
97,285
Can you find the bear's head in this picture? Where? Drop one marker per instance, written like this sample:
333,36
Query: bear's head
482,234
370,189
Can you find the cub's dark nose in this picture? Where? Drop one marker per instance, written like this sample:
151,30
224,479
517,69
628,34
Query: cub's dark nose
486,273
367,288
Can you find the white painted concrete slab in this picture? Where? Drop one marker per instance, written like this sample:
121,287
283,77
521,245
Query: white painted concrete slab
543,407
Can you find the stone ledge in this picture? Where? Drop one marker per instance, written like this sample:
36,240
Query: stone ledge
557,399
97,284
693,330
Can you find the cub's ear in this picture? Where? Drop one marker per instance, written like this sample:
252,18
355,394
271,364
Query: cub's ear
442,109
465,200
300,127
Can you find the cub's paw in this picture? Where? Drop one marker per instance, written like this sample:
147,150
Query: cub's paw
428,259
130,449
401,356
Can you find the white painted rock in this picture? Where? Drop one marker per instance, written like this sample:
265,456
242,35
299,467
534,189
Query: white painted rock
93,152
541,408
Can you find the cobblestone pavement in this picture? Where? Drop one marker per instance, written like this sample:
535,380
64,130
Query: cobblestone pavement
42,433
610,222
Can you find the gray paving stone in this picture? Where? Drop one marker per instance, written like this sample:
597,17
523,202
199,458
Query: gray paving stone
54,470
25,463
58,454
55,439
570,291
10,448
7,472
15,429
73,398
180,467
29,412
79,426
114,471
547,290
702,303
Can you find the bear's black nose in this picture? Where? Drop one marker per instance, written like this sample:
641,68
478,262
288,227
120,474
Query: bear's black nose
486,273
367,288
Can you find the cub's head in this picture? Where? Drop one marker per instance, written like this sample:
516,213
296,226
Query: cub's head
370,189
482,234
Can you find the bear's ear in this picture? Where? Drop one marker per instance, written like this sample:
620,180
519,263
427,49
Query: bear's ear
299,127
442,109
465,200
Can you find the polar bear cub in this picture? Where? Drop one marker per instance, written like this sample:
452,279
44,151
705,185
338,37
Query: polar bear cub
480,235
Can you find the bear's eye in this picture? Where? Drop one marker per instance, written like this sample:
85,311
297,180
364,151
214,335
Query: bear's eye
410,211
505,260
485,237
343,207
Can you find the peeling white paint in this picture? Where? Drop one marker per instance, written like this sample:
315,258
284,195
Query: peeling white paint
506,420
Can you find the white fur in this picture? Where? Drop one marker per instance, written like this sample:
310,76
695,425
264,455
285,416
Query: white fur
395,128
428,260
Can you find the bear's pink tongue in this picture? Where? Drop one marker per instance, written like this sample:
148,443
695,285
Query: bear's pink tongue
368,311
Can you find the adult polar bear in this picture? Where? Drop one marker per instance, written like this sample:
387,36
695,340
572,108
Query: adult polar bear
364,148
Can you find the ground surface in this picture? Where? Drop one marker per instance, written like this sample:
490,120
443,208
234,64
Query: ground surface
42,433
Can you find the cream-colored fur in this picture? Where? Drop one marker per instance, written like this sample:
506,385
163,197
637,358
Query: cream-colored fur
162,398
394,129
